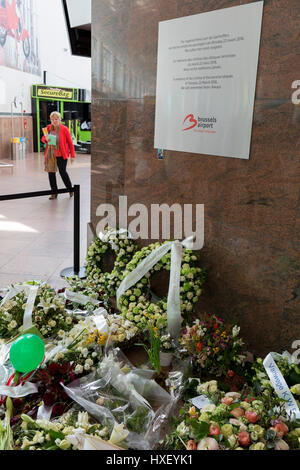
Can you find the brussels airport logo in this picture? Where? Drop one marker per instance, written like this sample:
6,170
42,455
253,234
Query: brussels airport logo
189,121
201,124
179,221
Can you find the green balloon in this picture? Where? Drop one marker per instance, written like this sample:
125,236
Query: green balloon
27,353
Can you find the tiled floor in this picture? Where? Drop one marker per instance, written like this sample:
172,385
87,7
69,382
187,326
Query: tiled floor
36,235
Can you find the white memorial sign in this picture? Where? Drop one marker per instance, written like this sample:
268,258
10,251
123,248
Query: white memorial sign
206,80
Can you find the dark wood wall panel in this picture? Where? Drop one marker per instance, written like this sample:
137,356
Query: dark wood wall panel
252,208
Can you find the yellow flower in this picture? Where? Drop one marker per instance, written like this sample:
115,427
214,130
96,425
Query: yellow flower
192,411
102,339
91,339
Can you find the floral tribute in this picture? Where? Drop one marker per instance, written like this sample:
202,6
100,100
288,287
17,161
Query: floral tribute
228,401
213,346
289,370
119,246
85,288
61,434
84,345
50,392
136,304
49,313
233,421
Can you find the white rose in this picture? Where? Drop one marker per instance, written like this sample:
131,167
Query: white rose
78,369
85,352
182,429
209,408
235,331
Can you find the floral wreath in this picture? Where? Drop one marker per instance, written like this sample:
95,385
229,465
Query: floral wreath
136,303
117,242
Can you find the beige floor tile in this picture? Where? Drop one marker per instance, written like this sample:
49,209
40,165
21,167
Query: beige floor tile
5,258
31,265
36,235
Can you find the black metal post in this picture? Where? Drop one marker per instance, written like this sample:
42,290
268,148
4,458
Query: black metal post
76,270
76,228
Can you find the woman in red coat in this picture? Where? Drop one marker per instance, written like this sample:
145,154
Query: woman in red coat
59,151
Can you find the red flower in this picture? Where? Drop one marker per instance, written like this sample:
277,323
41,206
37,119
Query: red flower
214,430
251,416
54,368
17,403
58,410
230,373
48,399
199,347
215,326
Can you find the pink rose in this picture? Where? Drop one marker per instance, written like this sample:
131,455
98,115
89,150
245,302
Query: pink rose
227,400
191,445
281,445
244,438
281,429
237,412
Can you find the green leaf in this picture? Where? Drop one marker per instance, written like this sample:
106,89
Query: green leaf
233,406
56,435
200,429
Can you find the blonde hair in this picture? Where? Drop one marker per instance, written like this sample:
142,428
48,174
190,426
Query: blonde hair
55,114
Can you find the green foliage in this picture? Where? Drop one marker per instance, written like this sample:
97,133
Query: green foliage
138,420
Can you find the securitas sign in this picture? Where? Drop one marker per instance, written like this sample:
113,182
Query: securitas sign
199,124
55,93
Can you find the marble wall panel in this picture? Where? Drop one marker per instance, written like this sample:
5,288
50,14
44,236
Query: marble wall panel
252,207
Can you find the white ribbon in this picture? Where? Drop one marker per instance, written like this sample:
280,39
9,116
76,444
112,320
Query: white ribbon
112,232
173,303
101,323
27,319
80,298
44,412
280,385
32,293
12,292
82,441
